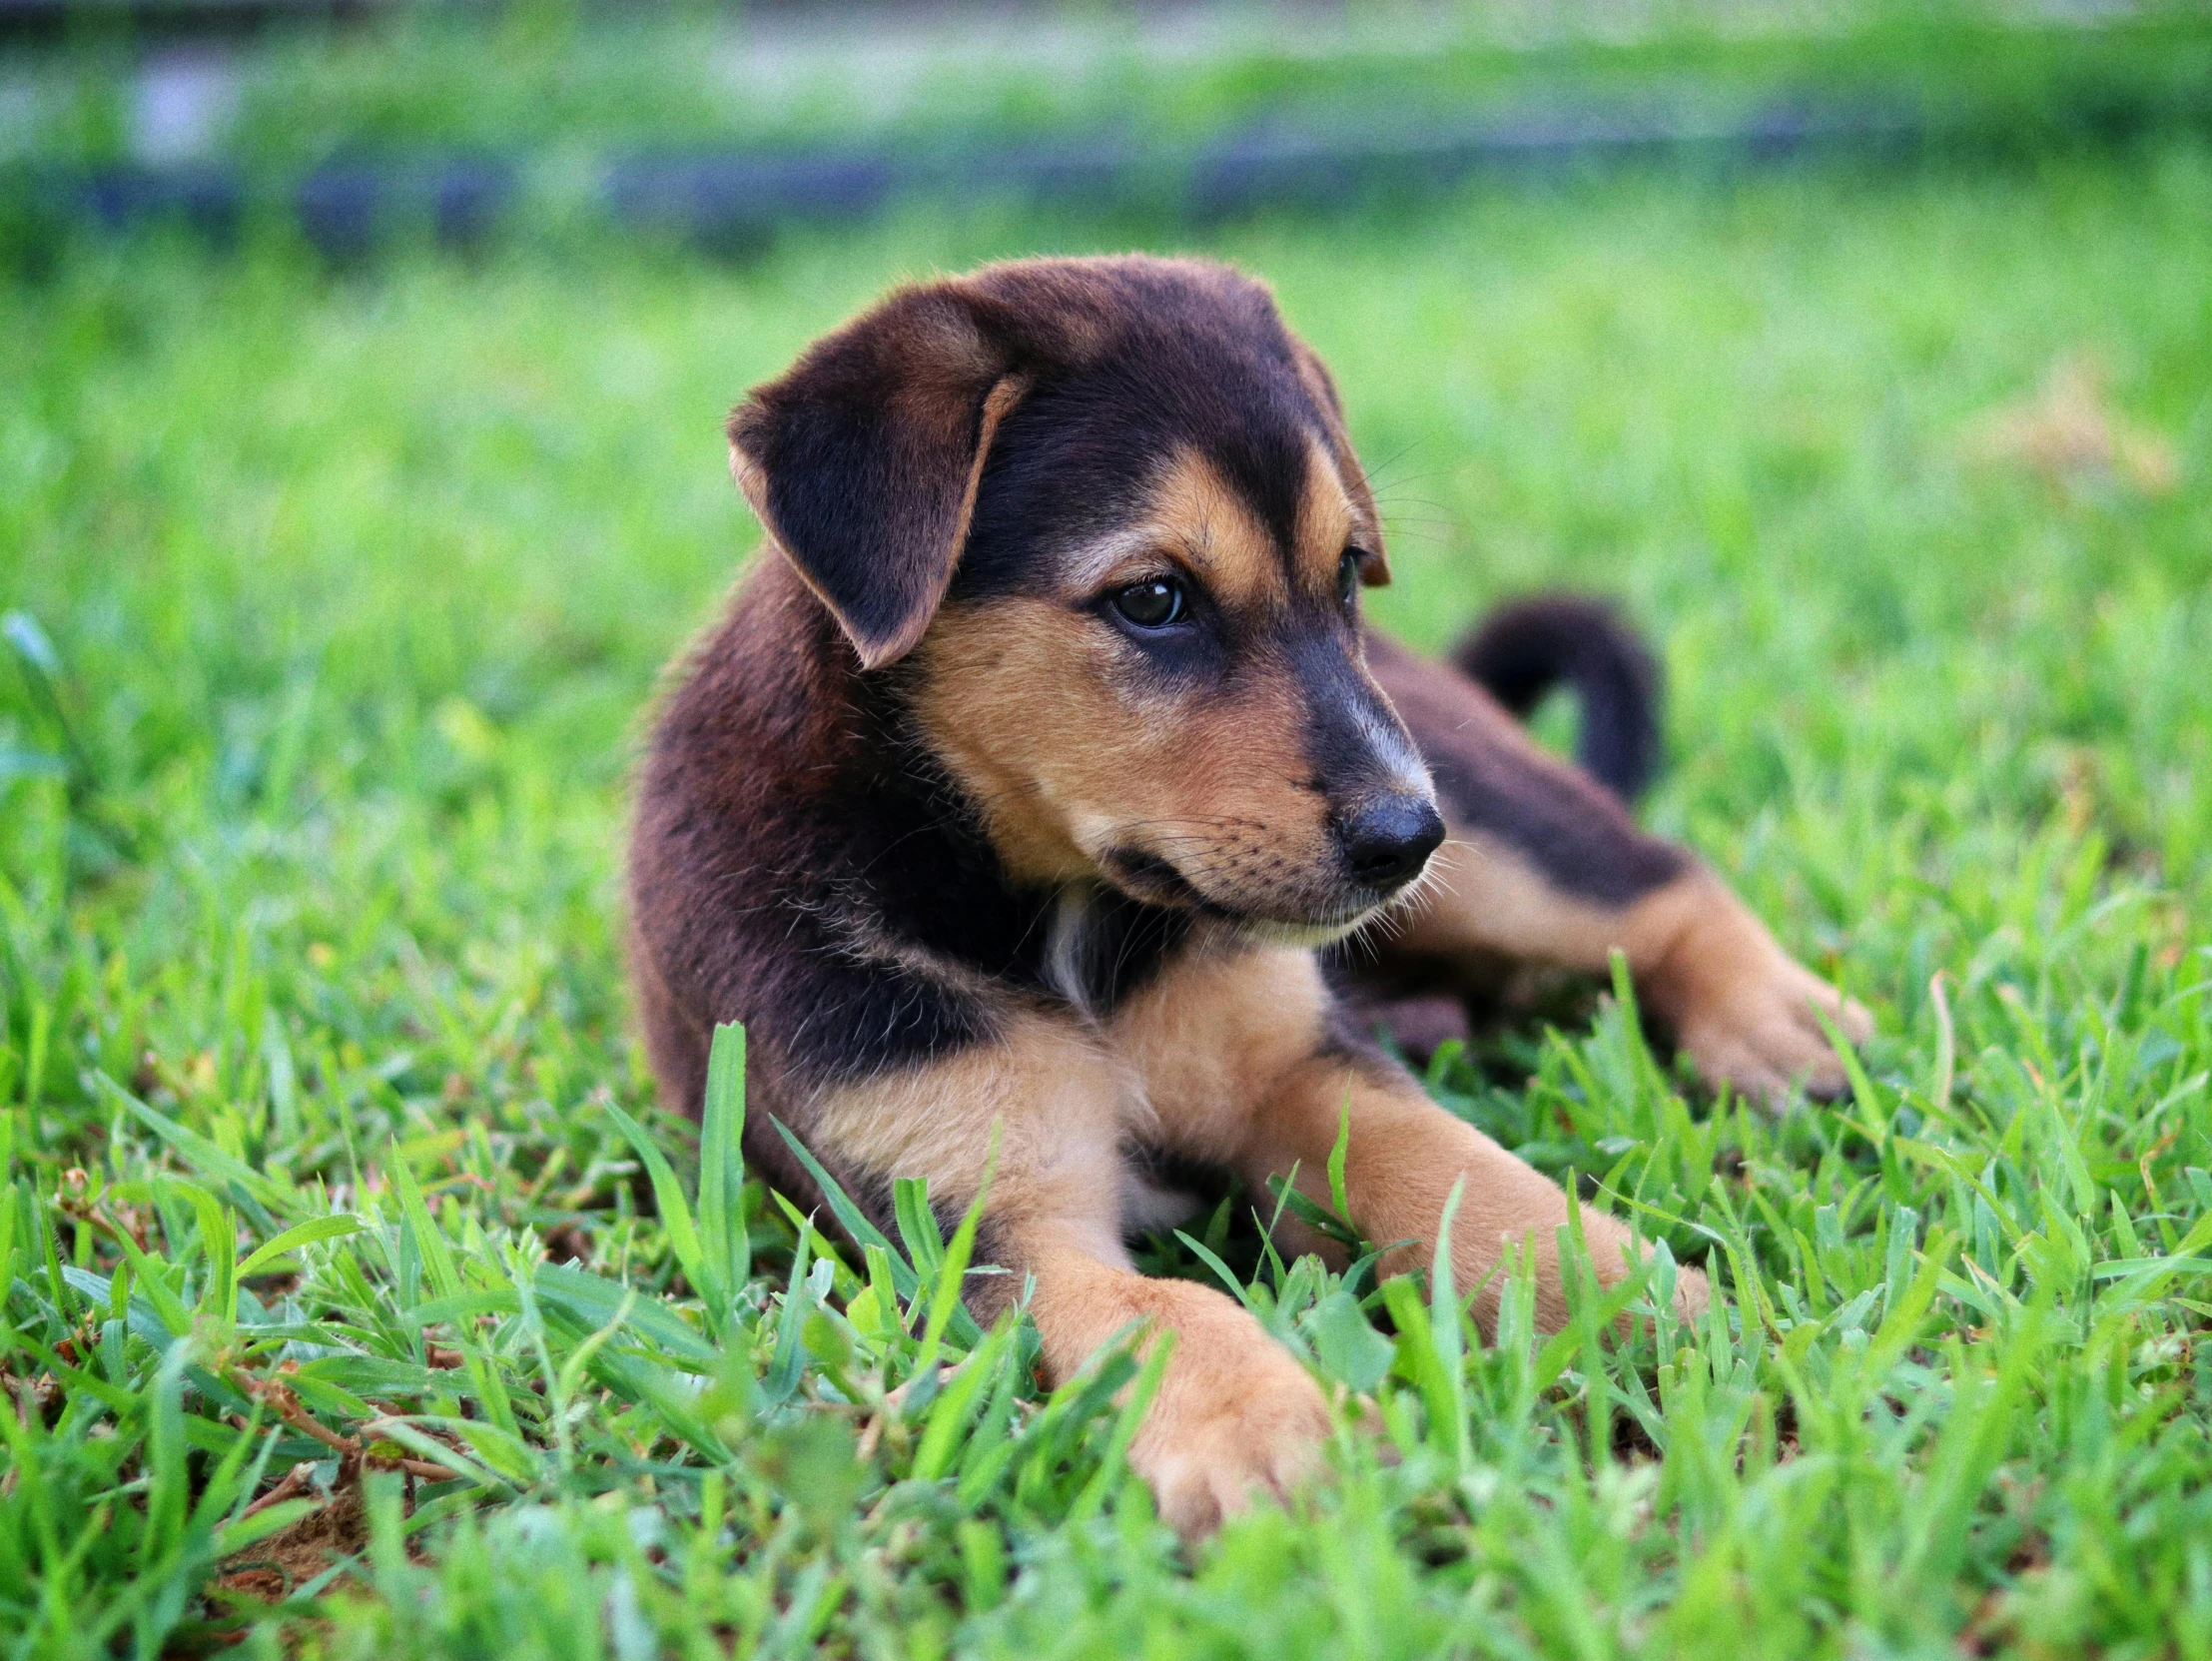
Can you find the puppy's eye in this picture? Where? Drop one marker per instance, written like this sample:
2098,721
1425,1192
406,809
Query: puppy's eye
1347,576
1153,604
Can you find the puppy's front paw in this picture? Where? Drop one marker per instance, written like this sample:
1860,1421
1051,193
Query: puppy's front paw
1235,1420
1764,1037
1748,1015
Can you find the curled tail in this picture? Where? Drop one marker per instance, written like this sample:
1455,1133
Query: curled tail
1524,649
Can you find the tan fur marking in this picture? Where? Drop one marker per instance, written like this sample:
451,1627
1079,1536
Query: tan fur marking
1057,1103
1482,892
1196,520
1328,519
1034,708
1702,962
1212,1036
1374,573
1039,708
1200,519
1403,1160
1230,1055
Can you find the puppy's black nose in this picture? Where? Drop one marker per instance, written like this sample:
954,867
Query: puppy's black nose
1387,839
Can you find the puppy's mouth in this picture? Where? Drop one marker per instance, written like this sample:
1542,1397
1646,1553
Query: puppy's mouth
1146,876
1155,879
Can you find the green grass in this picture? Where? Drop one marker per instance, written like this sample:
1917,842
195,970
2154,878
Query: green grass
355,589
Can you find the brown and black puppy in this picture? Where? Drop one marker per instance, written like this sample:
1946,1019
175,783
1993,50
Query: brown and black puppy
1027,773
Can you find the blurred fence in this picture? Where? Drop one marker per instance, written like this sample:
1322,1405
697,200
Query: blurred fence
728,201
56,20
1979,88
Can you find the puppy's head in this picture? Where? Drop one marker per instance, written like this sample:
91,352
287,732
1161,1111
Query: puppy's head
1103,519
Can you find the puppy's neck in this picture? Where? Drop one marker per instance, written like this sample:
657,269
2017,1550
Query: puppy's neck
1099,946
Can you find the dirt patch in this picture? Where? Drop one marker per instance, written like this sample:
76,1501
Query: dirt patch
270,1570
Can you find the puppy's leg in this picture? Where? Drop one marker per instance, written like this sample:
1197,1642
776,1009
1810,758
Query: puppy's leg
1402,1158
1235,1414
1245,1072
1544,865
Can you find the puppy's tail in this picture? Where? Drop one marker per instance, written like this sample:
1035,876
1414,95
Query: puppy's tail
1524,649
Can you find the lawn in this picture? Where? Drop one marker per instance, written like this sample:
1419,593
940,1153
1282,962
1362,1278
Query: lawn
338,597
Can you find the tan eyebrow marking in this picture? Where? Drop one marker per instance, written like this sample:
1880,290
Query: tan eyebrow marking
1328,519
1196,519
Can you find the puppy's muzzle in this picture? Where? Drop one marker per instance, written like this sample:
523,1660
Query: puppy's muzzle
1385,840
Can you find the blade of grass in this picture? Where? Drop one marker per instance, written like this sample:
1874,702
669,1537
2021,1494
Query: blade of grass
854,1222
1447,1334
675,1213
722,1233
309,1233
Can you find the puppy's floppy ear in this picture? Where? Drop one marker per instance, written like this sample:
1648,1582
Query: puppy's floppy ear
863,461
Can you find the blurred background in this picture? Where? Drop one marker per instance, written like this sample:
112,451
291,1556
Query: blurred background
357,119
365,360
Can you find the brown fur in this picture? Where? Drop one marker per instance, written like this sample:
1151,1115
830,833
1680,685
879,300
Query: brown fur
1009,802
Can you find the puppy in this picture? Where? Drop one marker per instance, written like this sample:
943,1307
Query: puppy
1030,769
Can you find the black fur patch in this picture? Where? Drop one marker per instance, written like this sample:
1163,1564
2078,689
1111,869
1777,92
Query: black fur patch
1076,458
